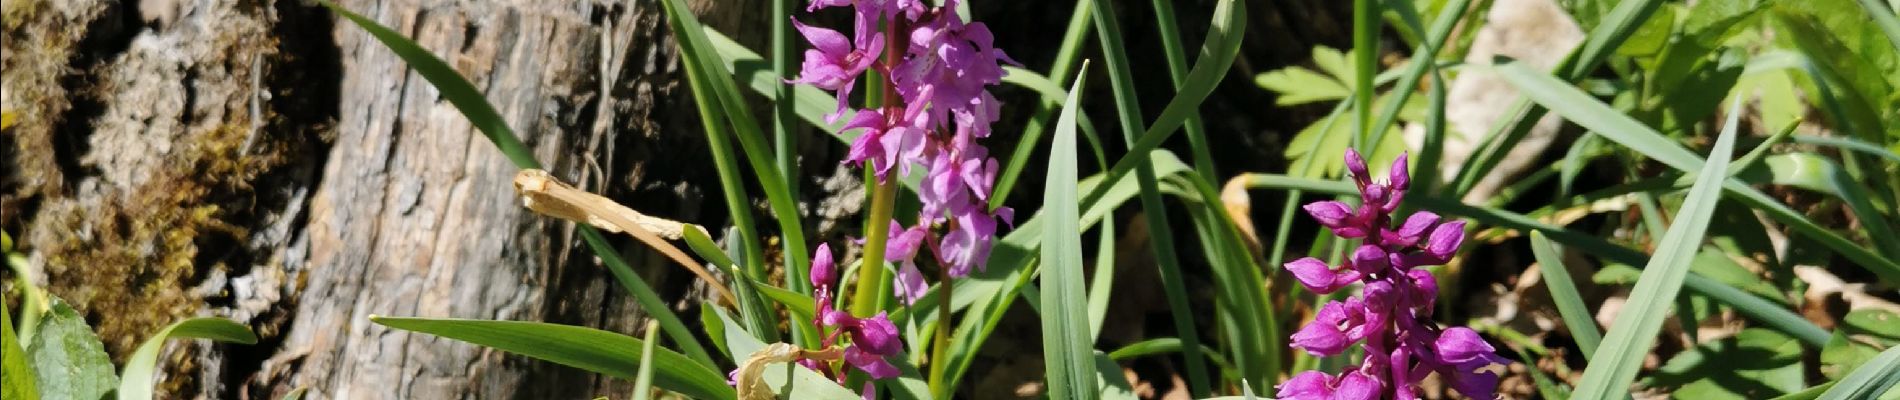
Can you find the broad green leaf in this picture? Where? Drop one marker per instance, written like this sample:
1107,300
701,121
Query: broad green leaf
1875,322
1616,363
1716,264
595,350
1649,38
20,381
789,380
1563,293
1067,350
1847,51
1871,379
1755,364
70,360
1842,355
1298,85
139,369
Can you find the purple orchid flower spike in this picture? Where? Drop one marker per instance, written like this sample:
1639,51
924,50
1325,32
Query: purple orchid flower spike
1391,317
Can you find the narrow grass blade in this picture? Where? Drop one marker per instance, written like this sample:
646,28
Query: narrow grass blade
1366,24
1067,353
19,381
1578,107
595,350
136,382
1219,49
466,98
1870,380
1615,364
1563,292
1424,59
1603,40
699,54
1068,55
456,89
1171,49
1166,345
1154,211
643,379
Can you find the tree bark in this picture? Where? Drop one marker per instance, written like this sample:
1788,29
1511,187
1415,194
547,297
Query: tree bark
260,161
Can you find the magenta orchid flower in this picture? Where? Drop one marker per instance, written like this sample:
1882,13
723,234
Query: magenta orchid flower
1391,317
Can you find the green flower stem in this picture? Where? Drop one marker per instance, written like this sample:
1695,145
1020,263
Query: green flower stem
877,232
940,350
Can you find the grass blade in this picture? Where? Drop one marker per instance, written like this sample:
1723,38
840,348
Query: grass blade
136,382
1067,351
699,54
1870,380
1578,107
469,101
595,350
1563,292
1615,365
643,379
1603,40
1067,56
1170,36
1128,107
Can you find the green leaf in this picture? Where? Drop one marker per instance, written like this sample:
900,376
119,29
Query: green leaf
801,306
1067,353
1755,364
1580,108
1848,52
706,65
1871,379
1563,292
1875,322
70,360
1114,385
595,350
1649,38
1298,85
1615,364
139,369
643,379
296,394
1842,355
789,380
20,381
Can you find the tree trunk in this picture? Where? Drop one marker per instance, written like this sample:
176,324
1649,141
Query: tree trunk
259,160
